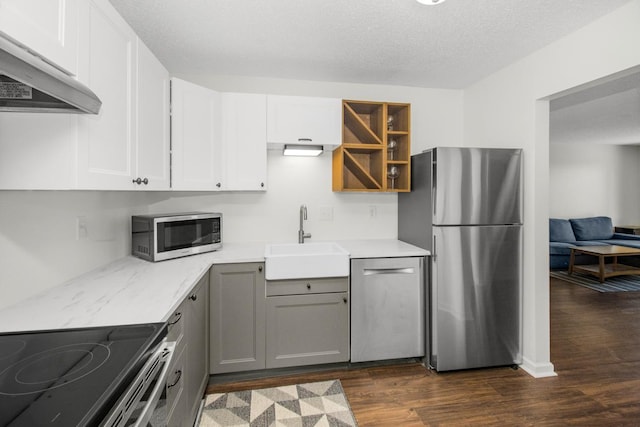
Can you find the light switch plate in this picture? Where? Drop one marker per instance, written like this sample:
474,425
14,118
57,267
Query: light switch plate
325,213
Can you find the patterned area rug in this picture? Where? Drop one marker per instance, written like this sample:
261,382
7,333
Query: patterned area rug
304,405
612,284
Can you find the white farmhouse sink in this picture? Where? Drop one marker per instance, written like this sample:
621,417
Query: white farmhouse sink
306,260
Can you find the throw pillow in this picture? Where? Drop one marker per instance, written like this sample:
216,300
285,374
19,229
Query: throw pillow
560,230
593,228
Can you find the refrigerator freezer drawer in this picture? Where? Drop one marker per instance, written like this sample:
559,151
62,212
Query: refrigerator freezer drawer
387,308
476,297
477,186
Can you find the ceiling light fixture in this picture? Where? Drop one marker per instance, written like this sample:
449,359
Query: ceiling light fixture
302,150
430,2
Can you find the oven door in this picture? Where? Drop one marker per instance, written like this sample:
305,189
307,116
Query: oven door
143,399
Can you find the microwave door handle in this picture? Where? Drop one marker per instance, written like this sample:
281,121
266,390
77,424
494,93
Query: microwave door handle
154,397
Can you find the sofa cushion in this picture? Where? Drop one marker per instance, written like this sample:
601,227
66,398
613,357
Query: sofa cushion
560,230
624,242
593,228
560,248
624,236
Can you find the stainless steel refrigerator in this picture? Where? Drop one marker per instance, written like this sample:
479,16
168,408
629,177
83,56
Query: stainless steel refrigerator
465,206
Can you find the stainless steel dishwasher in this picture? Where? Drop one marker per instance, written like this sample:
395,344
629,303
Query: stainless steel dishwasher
387,308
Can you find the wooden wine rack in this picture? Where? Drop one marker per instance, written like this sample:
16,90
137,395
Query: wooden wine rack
365,159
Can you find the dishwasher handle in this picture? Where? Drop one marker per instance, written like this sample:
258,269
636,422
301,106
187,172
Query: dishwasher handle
374,271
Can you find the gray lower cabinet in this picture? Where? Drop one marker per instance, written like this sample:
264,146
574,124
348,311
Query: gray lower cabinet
307,322
237,304
189,328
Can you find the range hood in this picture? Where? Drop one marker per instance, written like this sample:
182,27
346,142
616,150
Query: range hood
29,84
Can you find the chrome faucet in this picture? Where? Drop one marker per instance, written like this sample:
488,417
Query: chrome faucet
301,233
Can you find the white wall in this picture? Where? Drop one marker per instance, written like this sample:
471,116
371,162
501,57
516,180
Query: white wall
507,109
38,246
273,216
594,179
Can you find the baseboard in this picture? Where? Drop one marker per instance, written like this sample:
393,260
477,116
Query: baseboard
538,370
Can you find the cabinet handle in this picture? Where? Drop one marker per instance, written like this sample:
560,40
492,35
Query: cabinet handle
140,181
262,184
178,374
178,316
308,285
193,297
305,139
260,268
218,185
344,299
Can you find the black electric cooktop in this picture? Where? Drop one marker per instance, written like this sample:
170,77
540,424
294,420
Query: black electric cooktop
70,377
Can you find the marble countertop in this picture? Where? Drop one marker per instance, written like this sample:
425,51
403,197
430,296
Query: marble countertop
132,291
383,248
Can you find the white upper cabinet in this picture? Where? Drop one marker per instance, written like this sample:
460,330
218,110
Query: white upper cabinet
105,153
152,122
125,146
218,140
49,28
195,137
127,140
304,120
244,137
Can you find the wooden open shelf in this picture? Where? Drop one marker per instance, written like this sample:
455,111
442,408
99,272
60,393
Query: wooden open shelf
363,124
365,159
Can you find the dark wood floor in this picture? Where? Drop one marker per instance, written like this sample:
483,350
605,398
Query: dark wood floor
595,348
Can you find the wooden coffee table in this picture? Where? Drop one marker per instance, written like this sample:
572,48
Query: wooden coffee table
602,270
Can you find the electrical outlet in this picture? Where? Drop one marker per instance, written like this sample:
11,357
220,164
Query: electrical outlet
82,231
373,211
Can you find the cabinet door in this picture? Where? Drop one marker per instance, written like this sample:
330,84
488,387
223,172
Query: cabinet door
237,313
195,137
177,403
197,363
47,27
105,152
304,120
307,329
244,141
152,122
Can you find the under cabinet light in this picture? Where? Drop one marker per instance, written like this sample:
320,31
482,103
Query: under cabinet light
302,150
430,2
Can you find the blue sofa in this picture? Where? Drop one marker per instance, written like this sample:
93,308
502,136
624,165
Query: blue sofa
593,231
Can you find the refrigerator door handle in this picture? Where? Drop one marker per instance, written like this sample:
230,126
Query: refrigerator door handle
434,252
434,186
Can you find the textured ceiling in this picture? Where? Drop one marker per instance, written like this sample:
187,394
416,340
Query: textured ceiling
396,42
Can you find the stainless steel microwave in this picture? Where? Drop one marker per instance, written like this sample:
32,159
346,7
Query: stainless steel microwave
161,237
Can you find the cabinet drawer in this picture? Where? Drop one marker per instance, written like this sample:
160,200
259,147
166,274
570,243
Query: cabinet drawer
176,399
175,328
307,286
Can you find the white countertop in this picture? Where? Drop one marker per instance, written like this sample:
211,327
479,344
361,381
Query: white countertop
383,248
132,291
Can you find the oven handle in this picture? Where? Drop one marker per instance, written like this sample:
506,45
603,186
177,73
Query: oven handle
119,416
168,351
